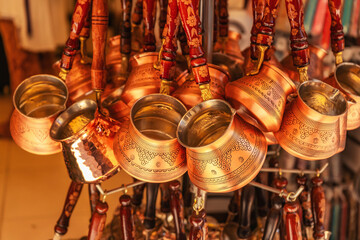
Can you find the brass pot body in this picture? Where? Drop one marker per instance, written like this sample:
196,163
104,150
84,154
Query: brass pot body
189,92
146,145
37,101
346,78
260,99
314,123
87,140
224,153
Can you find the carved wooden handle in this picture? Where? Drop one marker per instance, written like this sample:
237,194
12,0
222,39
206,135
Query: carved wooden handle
246,205
191,22
337,34
234,202
138,13
261,202
223,18
126,219
299,44
72,197
258,7
273,218
149,11
305,200
94,197
125,27
187,195
151,195
100,20
98,220
138,193
267,29
318,207
216,20
280,182
163,13
183,41
292,221
85,31
72,44
177,209
165,198
198,230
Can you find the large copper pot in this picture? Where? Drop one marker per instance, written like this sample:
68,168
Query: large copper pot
261,99
223,152
189,92
146,145
346,78
87,140
314,123
37,101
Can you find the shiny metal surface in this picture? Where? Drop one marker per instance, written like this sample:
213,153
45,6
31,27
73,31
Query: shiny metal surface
87,139
314,123
146,145
189,92
229,64
224,153
37,101
260,99
347,79
116,106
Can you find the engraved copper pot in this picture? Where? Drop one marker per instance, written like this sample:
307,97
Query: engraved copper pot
87,140
223,152
315,69
346,78
189,92
261,99
146,145
314,123
78,80
116,107
37,101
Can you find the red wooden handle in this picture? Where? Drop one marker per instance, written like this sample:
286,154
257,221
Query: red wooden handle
299,44
258,7
198,229
163,13
81,11
246,206
318,207
138,13
292,221
337,33
94,197
72,197
273,218
151,195
177,210
149,11
138,193
183,41
280,182
98,220
216,20
191,22
125,27
165,198
85,31
126,218
223,18
100,20
305,200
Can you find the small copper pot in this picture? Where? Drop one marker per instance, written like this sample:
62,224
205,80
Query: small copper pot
314,123
346,78
87,140
315,69
261,99
146,146
223,152
37,101
189,92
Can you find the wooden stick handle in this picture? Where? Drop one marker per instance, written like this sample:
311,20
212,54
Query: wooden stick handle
138,194
165,198
273,218
223,19
138,13
258,7
337,33
125,27
149,11
94,197
151,195
163,15
126,218
305,200
318,207
198,229
177,210
246,206
98,220
292,221
267,30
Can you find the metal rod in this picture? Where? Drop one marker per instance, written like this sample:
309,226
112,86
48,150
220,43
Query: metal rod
292,196
119,189
297,171
208,23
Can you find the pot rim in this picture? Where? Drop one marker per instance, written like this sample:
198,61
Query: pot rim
196,109
31,79
142,55
154,95
336,79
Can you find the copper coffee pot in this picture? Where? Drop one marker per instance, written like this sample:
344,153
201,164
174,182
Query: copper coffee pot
37,101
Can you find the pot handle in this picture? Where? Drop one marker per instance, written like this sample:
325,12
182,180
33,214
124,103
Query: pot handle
337,33
305,201
246,206
233,207
125,40
198,229
299,44
273,218
138,13
318,207
126,218
177,209
163,13
223,22
100,20
72,197
292,221
98,220
258,7
138,193
151,195
165,198
149,14
82,8
84,35
94,197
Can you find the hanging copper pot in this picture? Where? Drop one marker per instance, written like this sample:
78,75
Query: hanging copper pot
223,152
189,92
346,78
87,139
314,123
37,101
146,145
261,99
315,69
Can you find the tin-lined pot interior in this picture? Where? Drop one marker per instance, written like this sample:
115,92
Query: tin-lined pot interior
204,123
348,76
